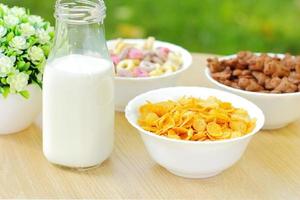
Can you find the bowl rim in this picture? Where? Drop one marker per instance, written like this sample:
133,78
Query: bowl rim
257,128
188,60
211,79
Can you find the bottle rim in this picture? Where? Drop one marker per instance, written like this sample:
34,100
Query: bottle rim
80,11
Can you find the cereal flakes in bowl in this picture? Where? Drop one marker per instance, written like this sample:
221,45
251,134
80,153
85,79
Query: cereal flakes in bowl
194,132
142,65
271,81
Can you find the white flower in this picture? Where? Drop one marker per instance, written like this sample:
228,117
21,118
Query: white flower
6,66
11,20
43,36
4,8
17,11
18,42
36,53
27,30
13,59
3,31
18,81
21,30
34,19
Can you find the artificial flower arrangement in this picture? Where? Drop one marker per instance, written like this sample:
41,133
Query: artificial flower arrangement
25,42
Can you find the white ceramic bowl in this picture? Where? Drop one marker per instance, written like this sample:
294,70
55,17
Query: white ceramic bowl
17,113
279,109
193,159
128,88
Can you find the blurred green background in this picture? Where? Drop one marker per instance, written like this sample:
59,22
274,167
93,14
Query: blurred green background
211,26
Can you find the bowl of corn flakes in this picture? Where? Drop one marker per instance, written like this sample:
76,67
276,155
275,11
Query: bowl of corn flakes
142,65
194,132
271,81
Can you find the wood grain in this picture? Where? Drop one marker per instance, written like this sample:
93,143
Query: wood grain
270,168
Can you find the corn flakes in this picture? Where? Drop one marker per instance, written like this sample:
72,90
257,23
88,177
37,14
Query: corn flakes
195,119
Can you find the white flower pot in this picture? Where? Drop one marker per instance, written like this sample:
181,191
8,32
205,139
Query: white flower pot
18,113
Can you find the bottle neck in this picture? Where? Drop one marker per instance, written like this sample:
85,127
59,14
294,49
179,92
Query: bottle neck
80,29
80,11
80,39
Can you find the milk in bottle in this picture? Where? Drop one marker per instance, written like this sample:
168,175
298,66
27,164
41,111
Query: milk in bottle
78,88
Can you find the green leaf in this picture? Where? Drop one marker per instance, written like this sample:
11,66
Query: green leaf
10,36
25,56
21,65
52,34
46,49
3,80
25,94
1,12
5,91
32,40
27,65
17,31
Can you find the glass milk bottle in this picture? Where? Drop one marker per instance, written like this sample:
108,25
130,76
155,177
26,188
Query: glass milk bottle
78,88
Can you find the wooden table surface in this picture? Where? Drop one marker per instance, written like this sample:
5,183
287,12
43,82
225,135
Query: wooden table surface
270,168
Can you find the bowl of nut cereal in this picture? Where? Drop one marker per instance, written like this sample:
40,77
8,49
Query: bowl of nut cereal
194,132
145,64
271,81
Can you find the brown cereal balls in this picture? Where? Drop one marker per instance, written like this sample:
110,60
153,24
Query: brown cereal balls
258,73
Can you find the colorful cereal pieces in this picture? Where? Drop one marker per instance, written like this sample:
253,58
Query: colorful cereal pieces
123,72
138,72
195,119
164,51
156,72
144,60
135,54
147,66
115,59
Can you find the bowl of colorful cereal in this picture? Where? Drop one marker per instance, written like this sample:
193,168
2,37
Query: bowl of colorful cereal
145,64
271,81
194,132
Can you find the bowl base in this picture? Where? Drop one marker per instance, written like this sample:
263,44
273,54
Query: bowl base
14,131
196,175
273,127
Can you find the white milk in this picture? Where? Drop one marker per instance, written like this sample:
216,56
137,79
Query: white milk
78,111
